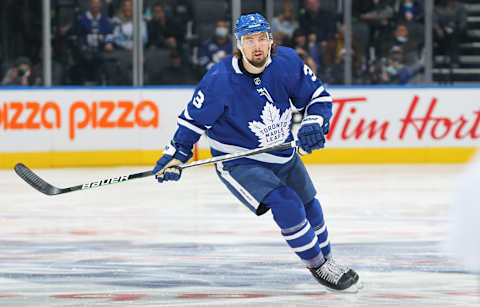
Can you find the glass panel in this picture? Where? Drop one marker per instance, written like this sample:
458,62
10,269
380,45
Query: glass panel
388,39
64,14
92,42
456,37
173,40
21,43
310,27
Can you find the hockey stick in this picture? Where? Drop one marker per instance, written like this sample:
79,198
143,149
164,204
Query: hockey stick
46,188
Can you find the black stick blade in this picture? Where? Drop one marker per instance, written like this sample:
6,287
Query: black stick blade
32,179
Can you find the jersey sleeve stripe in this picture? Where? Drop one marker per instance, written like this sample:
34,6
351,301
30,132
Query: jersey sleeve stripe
318,92
319,99
187,115
190,126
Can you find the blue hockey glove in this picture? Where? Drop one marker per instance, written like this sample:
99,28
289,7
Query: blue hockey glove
167,166
311,134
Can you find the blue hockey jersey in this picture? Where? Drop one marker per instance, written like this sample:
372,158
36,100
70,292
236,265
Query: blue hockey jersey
238,112
94,32
211,53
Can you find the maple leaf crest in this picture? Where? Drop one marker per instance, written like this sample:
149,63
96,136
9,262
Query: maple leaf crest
274,129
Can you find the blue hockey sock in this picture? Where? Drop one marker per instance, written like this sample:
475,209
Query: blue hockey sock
314,215
289,214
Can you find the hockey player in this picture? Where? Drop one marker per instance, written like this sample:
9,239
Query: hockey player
243,102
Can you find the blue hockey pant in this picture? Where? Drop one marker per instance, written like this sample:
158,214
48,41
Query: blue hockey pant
289,192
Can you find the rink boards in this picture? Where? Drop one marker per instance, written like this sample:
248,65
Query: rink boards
129,126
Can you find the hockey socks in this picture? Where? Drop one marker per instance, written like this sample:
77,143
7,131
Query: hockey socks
304,242
289,214
314,215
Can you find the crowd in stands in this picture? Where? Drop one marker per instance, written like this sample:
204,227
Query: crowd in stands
95,47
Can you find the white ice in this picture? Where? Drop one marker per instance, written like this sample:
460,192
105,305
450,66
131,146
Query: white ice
191,243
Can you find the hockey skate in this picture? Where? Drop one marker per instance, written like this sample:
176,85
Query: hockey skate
336,277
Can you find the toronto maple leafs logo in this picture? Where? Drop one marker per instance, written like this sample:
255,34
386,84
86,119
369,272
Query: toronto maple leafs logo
273,129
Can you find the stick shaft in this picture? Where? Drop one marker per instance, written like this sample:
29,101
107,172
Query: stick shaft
46,188
240,154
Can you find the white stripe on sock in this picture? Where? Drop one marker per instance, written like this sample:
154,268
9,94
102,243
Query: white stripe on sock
306,246
319,231
298,234
324,243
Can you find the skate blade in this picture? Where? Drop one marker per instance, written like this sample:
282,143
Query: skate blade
355,288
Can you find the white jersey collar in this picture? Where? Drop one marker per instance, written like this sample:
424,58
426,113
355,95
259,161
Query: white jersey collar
90,16
236,68
235,65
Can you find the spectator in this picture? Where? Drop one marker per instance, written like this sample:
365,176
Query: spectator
95,38
410,47
21,73
284,24
410,13
390,70
321,23
450,23
217,48
123,31
409,10
306,48
334,57
398,72
177,73
162,30
181,12
373,19
376,73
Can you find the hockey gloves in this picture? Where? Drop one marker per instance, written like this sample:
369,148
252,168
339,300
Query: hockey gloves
167,166
311,134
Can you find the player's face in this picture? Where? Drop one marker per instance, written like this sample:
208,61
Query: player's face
256,47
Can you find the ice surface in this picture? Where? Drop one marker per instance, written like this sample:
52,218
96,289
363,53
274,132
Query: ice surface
191,243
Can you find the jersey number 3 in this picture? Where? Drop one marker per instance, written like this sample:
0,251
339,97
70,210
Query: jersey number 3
198,100
308,72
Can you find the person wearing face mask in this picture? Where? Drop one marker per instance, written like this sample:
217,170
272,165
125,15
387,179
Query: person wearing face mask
398,72
215,49
409,46
410,13
409,10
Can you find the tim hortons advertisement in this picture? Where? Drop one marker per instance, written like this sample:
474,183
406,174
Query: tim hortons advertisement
145,119
433,117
